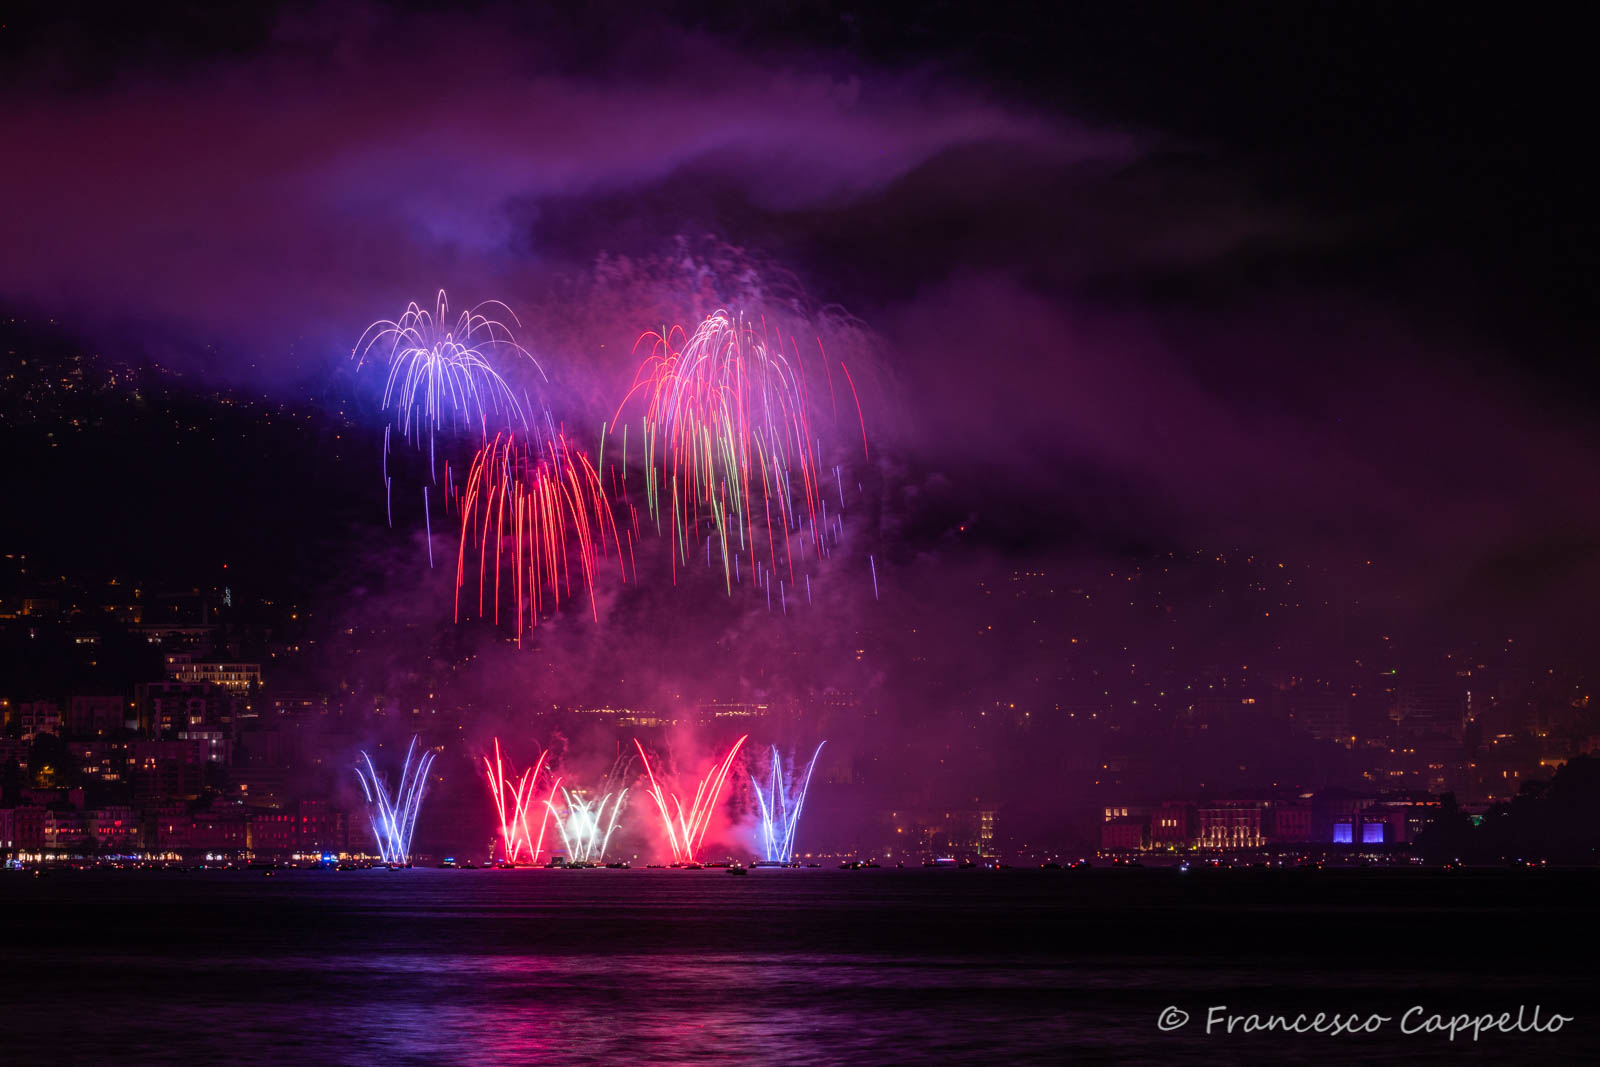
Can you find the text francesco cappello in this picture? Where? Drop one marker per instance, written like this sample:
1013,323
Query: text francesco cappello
1220,1019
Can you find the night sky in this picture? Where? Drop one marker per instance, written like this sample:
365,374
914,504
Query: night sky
1298,284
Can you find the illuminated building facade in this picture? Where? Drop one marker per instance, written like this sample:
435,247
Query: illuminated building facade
1231,825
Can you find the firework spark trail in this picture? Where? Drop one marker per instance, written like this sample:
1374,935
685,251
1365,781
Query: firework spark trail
864,453
781,802
529,505
728,445
513,801
442,378
686,827
394,816
587,824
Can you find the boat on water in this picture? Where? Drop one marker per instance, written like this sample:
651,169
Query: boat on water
736,869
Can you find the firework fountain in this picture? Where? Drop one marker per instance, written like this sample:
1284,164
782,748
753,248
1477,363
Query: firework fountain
730,453
394,815
686,826
587,823
780,801
514,803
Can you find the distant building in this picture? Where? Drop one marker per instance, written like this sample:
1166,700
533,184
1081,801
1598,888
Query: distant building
1291,823
1172,825
240,677
1125,834
297,706
969,831
1335,813
258,785
168,768
166,709
39,717
1123,811
1231,824
914,832
1341,817
321,828
215,742
1430,708
733,710
224,829
1382,826
1323,716
41,606
175,635
96,716
105,761
22,828
115,829
174,828
1432,763
13,750
273,831
1404,815
66,830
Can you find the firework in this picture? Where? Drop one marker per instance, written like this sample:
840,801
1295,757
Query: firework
514,803
587,823
530,504
394,815
781,800
686,826
442,377
730,454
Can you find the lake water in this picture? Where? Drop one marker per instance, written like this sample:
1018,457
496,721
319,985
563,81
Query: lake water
782,966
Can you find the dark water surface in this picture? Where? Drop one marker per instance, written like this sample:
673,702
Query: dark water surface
809,966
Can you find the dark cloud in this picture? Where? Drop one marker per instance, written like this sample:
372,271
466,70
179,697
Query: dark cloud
300,192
